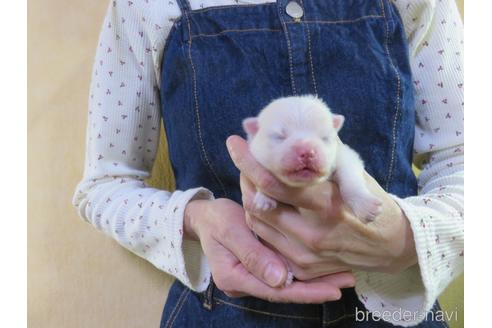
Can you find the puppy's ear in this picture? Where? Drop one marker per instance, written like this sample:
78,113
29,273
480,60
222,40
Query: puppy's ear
250,126
338,121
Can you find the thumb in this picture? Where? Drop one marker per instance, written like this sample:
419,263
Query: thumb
258,259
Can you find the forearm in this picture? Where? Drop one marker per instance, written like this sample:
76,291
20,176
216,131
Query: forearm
194,209
122,140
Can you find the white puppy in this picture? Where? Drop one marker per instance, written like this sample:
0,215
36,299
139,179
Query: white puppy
296,139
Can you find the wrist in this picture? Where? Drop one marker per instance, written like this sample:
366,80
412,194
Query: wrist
193,209
408,253
411,250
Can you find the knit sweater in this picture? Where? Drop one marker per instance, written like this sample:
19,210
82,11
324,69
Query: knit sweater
123,133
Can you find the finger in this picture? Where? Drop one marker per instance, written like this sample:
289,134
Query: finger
270,236
315,197
317,291
258,259
284,219
344,279
248,190
302,261
314,271
235,294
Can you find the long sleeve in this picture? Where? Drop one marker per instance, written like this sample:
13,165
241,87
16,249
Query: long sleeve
435,34
122,139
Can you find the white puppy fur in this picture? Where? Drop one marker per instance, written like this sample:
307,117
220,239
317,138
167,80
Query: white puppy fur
296,139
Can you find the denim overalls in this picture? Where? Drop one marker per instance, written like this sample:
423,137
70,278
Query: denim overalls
225,63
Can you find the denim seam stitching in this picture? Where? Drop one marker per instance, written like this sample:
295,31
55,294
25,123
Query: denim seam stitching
291,65
289,49
277,30
311,61
287,316
397,105
345,316
197,112
177,308
341,21
178,311
236,31
185,4
202,10
311,57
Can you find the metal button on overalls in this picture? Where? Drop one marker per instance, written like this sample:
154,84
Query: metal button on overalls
294,10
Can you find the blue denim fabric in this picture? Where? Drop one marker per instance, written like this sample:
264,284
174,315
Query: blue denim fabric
214,309
225,63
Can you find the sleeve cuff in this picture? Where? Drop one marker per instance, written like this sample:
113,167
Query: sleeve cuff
404,299
192,267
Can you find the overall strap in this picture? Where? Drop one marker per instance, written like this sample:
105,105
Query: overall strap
184,6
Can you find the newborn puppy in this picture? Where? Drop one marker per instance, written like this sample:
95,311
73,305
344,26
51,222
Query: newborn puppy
296,139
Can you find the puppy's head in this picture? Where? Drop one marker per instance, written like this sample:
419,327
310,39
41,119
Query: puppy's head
296,139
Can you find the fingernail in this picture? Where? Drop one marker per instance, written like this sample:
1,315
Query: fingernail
273,275
351,282
338,295
228,143
348,282
231,152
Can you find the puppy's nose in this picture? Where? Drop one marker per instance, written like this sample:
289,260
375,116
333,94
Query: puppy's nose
305,152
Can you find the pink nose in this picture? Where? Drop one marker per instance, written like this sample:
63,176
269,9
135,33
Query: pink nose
304,152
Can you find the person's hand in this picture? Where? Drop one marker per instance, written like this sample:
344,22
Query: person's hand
241,265
313,229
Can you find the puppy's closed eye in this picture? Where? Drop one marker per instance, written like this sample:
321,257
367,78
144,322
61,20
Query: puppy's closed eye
279,135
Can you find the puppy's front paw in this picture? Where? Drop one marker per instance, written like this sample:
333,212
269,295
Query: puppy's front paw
366,207
262,202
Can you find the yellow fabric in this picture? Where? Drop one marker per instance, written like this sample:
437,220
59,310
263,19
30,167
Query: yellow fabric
77,277
452,301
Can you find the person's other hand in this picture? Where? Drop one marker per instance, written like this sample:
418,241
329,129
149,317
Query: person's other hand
315,231
241,265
